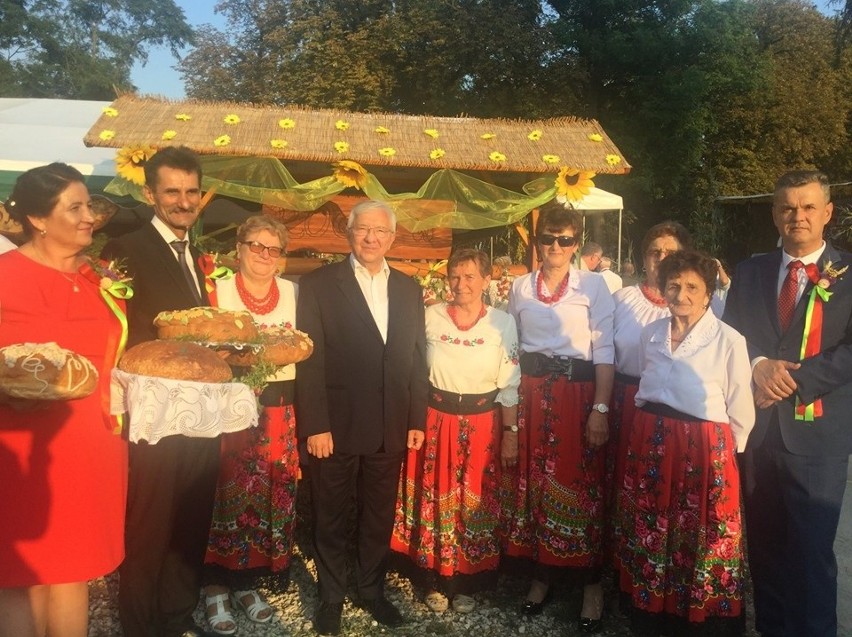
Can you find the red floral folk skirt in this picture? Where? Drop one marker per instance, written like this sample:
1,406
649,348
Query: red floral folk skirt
680,546
553,506
447,509
255,510
621,421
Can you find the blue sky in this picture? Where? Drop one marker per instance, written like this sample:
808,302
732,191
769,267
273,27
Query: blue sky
159,78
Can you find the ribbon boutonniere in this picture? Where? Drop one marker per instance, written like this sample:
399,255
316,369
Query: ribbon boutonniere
812,335
212,273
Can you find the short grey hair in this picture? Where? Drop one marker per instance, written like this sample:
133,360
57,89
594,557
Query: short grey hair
366,206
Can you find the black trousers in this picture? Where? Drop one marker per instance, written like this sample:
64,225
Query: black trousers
169,507
792,509
341,485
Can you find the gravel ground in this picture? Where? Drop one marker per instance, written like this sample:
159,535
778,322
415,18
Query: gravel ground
496,613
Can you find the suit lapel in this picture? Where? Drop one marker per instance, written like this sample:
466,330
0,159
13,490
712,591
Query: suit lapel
165,256
769,284
351,291
797,323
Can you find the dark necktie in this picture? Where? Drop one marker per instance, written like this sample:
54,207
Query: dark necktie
180,248
787,298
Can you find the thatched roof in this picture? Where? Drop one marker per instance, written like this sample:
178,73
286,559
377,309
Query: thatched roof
372,139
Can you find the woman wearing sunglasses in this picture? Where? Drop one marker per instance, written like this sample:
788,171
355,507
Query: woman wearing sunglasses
254,515
555,509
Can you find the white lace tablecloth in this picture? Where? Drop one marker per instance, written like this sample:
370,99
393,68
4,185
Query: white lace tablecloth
159,407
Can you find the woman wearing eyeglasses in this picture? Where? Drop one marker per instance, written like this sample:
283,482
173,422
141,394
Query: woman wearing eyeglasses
254,515
555,509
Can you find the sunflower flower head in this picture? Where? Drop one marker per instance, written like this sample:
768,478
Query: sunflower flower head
350,173
278,143
595,137
183,117
487,136
109,111
496,156
169,134
107,135
222,140
341,125
387,151
232,118
550,159
341,147
613,160
381,130
535,135
287,123
437,153
431,132
130,163
573,184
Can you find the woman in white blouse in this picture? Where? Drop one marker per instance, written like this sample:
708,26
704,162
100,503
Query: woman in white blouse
448,509
555,510
680,549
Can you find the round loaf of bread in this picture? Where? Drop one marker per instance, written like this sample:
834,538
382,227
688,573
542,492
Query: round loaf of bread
45,371
177,360
280,346
207,325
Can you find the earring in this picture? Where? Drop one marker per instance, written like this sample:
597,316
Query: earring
43,232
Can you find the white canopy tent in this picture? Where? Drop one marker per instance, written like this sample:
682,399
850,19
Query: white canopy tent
34,132
602,201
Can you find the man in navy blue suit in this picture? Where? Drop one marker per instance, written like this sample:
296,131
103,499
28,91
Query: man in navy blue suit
795,464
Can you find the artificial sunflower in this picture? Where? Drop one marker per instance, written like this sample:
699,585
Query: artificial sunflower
183,117
286,123
382,130
341,147
222,140
612,160
535,135
550,159
431,132
437,153
387,151
497,156
107,135
488,136
573,184
350,173
232,119
278,143
109,111
169,134
341,124
130,163
595,137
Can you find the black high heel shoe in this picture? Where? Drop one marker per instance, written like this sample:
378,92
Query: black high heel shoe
531,609
590,626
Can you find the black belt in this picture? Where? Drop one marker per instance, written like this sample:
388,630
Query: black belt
626,379
278,393
538,365
461,404
660,409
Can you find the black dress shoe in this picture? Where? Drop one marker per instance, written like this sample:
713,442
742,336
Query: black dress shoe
383,612
534,608
590,626
328,618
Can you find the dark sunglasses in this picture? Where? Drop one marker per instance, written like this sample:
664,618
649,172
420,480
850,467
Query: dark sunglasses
257,247
549,239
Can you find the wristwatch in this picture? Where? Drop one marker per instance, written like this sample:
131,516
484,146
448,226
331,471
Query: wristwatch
512,428
601,408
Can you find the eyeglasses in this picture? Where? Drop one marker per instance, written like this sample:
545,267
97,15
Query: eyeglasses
257,247
659,254
363,231
563,241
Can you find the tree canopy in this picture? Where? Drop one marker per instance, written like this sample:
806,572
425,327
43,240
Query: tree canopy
82,49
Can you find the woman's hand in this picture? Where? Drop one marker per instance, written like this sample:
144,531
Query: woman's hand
509,449
597,429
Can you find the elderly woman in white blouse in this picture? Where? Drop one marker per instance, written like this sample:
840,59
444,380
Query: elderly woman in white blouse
680,548
448,510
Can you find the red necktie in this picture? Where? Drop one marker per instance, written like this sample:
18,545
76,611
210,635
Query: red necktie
787,298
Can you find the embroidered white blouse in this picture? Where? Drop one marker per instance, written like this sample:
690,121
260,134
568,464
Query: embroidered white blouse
578,325
633,311
474,361
708,376
283,314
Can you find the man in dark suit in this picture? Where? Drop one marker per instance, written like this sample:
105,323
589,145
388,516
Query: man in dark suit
361,400
795,464
172,483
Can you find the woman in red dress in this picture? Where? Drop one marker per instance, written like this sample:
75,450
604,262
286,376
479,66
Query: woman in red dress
254,514
63,466
555,506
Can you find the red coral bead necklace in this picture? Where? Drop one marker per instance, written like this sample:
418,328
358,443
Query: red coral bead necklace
255,305
550,299
453,310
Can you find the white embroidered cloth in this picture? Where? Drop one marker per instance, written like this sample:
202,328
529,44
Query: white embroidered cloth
160,407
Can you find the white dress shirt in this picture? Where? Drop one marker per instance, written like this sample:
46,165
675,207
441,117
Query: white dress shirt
708,376
169,236
375,291
786,259
6,245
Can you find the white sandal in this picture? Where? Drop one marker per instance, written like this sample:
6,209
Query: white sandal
222,616
254,608
463,603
